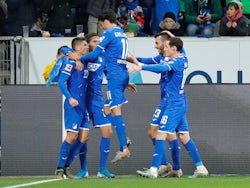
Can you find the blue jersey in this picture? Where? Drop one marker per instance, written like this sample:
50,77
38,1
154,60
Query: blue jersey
114,42
94,96
156,60
173,71
72,83
94,87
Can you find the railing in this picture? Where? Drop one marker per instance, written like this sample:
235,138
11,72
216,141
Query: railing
11,59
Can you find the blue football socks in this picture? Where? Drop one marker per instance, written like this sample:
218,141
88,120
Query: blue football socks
104,151
160,148
193,152
174,148
63,155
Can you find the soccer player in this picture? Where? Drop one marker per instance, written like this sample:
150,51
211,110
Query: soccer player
174,115
95,104
165,167
72,83
114,43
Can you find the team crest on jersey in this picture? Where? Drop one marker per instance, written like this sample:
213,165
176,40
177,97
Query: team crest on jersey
93,66
68,67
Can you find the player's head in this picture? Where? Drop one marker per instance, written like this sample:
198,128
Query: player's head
93,40
59,51
107,18
160,38
172,47
80,45
176,42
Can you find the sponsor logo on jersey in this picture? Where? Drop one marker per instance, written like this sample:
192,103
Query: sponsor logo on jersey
93,66
68,67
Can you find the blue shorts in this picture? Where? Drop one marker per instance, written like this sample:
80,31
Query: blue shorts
174,119
156,119
95,106
99,119
115,92
76,119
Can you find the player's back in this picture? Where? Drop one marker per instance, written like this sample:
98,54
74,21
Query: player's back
115,43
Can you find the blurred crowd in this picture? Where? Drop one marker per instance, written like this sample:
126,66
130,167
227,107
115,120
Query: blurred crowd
57,18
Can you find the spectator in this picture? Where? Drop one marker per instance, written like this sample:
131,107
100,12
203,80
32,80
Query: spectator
161,7
147,6
130,10
57,17
94,9
181,15
169,23
131,29
243,3
234,23
201,16
22,12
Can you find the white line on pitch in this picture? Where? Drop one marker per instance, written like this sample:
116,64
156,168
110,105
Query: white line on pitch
32,183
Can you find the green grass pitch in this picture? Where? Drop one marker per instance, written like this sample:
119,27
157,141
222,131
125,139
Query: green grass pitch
128,182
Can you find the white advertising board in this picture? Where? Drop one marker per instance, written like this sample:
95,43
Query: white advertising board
213,60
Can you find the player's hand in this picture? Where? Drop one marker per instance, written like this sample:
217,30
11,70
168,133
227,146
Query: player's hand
132,87
134,69
171,35
132,59
73,55
73,102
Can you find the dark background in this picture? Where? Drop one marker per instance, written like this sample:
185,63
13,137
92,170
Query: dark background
218,116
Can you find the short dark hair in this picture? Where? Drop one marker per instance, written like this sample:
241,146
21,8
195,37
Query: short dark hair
89,36
109,15
233,4
175,41
164,36
59,50
76,41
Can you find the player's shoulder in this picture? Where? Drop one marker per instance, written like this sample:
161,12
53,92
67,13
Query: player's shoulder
68,65
117,32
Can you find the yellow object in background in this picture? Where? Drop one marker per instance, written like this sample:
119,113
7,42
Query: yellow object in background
47,70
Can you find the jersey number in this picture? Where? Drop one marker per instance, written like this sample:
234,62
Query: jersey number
124,48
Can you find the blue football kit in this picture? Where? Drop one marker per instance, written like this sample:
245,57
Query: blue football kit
172,79
94,96
72,84
115,44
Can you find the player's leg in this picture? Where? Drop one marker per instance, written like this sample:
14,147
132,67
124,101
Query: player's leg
107,112
106,132
82,148
64,153
115,95
165,166
192,149
174,148
168,124
119,124
160,148
70,116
